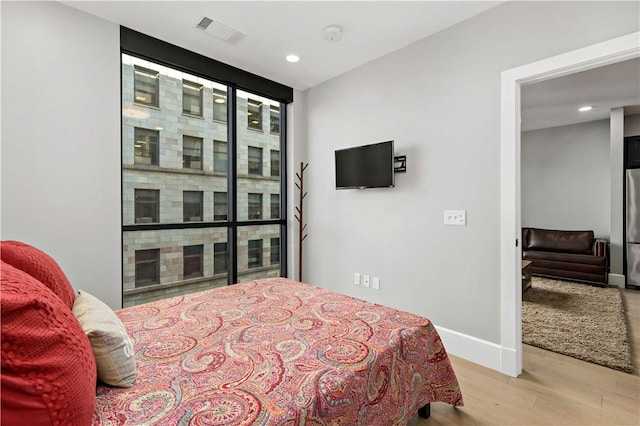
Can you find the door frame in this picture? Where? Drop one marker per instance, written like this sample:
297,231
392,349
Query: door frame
594,56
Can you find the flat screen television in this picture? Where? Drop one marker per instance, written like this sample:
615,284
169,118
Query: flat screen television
366,166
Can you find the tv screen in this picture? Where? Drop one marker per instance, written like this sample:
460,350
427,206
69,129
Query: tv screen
367,166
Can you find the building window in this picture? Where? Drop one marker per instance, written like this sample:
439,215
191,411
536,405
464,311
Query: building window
145,146
145,84
220,105
220,259
192,206
254,114
219,206
192,261
275,251
205,202
255,253
255,206
147,205
191,98
220,161
255,161
275,163
191,152
274,117
147,267
275,206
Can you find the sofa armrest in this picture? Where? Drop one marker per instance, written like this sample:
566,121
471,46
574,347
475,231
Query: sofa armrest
601,248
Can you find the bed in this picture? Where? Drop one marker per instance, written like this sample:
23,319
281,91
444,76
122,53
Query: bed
274,352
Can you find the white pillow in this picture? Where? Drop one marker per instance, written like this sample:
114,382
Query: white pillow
111,344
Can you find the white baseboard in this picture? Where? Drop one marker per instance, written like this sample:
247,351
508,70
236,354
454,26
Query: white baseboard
487,354
617,279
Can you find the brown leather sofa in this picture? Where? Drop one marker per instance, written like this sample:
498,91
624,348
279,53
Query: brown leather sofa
572,255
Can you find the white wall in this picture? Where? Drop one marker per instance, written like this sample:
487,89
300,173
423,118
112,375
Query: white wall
61,141
565,178
439,99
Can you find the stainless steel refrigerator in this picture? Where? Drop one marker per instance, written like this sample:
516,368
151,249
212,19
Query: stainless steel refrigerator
633,226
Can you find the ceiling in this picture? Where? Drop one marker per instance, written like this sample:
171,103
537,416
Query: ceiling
370,29
274,29
555,102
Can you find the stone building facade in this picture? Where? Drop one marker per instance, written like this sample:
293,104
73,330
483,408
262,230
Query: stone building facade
174,147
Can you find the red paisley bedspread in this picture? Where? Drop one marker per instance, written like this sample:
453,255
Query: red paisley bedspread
277,352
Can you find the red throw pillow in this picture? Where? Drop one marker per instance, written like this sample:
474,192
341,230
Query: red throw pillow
40,266
48,374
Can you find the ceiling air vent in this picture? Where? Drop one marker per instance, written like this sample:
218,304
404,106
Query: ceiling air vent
220,31
204,23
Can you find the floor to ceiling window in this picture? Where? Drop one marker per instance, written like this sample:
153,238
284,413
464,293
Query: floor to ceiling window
201,181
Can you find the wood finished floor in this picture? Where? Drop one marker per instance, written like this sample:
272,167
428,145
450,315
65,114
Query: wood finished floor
553,389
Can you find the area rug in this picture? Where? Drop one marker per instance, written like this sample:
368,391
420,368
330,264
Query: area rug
578,320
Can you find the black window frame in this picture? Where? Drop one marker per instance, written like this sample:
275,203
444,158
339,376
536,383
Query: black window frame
149,48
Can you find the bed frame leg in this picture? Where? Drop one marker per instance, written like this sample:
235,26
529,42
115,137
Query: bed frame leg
425,411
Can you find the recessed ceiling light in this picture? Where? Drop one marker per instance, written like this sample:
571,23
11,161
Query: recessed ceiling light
293,58
585,108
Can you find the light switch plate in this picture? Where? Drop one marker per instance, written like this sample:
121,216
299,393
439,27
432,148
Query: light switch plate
356,278
365,281
455,217
376,283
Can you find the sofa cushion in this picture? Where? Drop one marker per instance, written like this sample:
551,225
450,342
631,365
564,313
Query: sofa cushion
570,259
578,242
111,344
48,374
39,265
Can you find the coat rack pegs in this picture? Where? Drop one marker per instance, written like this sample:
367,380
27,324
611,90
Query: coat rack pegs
299,215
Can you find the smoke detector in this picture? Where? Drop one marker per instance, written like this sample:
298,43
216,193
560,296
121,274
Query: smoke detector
332,33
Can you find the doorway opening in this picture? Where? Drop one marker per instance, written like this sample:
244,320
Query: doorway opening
605,53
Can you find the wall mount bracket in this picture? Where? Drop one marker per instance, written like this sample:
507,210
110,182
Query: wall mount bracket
402,161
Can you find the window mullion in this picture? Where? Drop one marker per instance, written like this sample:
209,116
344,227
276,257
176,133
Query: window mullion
232,185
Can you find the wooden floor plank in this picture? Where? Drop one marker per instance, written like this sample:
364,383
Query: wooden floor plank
554,389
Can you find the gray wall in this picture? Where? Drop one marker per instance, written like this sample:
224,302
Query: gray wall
439,99
566,178
61,141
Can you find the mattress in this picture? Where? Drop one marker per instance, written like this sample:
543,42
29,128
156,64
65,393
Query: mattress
277,352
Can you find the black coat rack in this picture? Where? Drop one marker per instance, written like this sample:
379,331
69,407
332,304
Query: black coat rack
299,215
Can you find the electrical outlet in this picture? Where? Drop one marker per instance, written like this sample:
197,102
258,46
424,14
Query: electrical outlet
455,217
356,278
365,281
376,283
